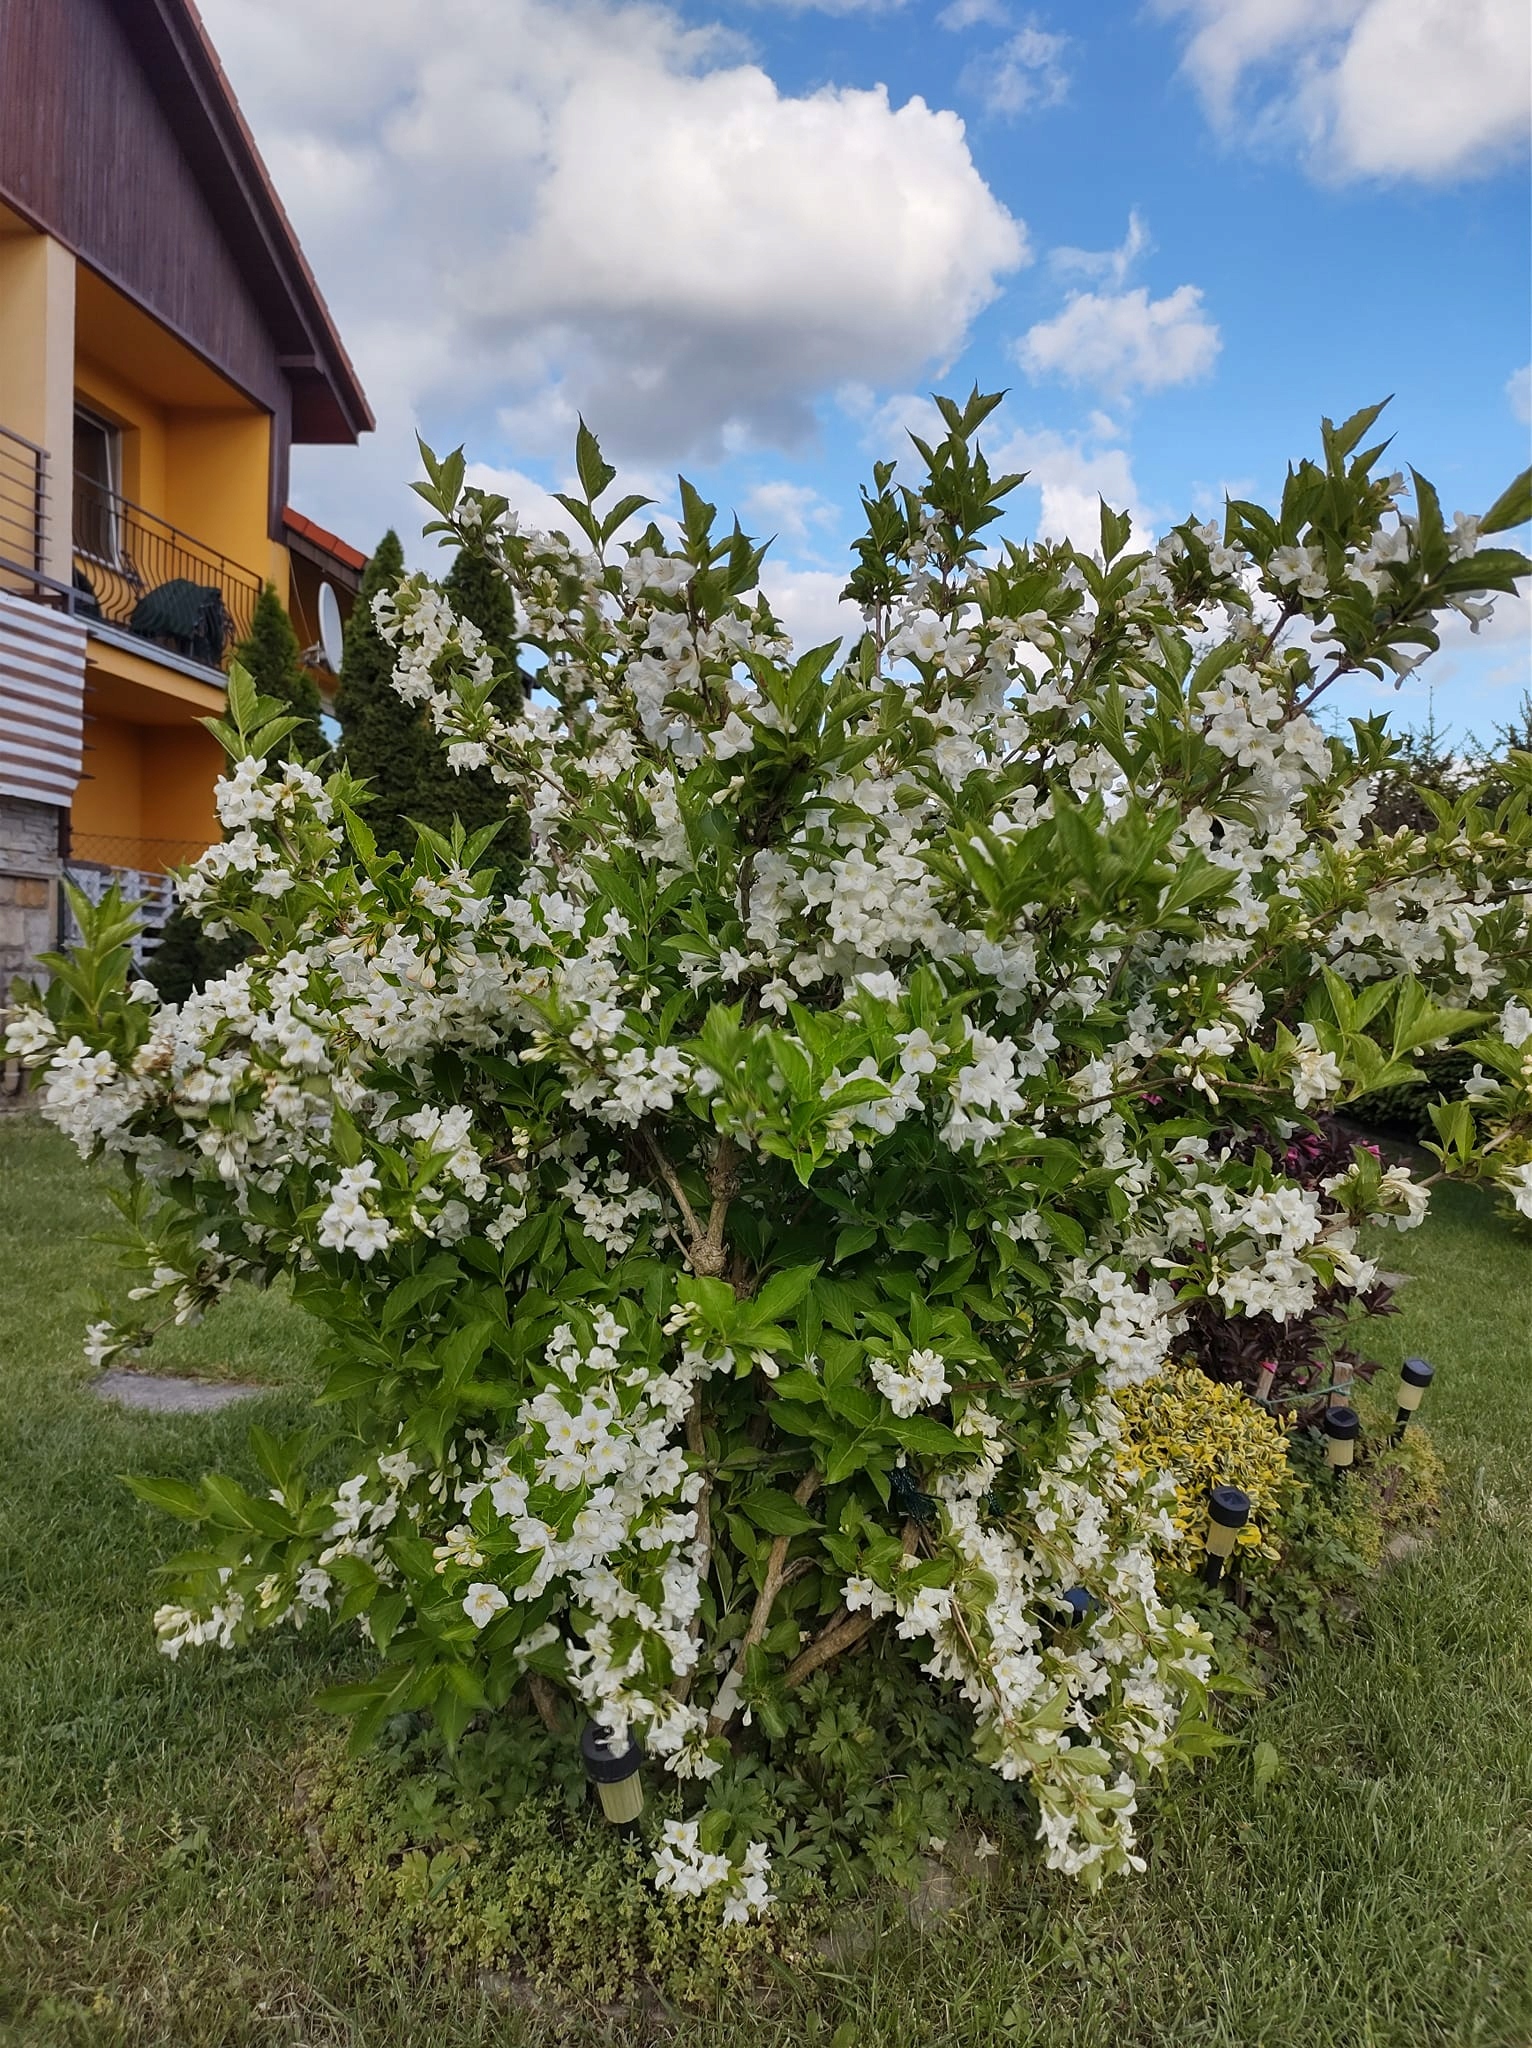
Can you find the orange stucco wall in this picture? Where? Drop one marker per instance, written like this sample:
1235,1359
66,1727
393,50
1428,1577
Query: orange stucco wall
146,797
196,453
109,800
140,421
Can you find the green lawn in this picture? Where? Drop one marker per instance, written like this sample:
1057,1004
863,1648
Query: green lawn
154,1890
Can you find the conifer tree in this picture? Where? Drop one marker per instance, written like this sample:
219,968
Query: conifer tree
186,959
271,653
478,592
381,736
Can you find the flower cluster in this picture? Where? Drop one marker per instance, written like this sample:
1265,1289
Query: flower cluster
683,1866
743,1222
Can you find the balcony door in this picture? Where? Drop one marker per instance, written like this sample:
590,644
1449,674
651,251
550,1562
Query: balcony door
97,488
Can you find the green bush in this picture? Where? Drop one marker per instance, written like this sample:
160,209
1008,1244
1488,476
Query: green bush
1405,1109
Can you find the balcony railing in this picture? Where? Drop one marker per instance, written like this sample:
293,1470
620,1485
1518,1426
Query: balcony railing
151,891
132,570
119,850
135,570
23,509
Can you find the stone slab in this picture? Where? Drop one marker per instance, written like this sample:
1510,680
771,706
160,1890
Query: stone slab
165,1396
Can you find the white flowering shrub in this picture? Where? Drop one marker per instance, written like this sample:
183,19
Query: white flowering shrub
730,1240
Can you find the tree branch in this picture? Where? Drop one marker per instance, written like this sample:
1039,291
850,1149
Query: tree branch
844,1630
672,1181
723,1179
705,1254
776,1577
546,1700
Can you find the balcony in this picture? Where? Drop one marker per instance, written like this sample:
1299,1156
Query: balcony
134,574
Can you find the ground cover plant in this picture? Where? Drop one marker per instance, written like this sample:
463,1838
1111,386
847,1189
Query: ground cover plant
156,1887
732,1237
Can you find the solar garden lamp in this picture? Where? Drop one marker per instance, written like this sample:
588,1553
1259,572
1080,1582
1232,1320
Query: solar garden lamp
1266,1379
1228,1512
1342,1427
1340,1392
614,1771
1415,1375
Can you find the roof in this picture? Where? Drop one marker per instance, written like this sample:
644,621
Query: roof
320,541
329,404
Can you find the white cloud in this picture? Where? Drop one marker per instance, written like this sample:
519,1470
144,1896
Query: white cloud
1111,266
525,208
1429,89
808,602
532,502
885,424
1025,72
963,14
1518,389
1071,476
1478,680
1065,473
1122,341
789,509
832,6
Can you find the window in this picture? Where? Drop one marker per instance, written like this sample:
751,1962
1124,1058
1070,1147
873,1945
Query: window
97,481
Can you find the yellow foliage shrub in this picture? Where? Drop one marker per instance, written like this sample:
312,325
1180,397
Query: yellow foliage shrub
1202,1434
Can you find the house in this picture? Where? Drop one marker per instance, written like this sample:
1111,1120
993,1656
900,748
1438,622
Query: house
163,345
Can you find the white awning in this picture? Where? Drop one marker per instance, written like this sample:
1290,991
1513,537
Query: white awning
42,696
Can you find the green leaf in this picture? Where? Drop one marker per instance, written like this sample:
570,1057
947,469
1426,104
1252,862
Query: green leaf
1265,1766
622,512
170,1496
1512,508
1066,1231
783,1291
856,1237
777,1513
594,471
925,1434
464,1348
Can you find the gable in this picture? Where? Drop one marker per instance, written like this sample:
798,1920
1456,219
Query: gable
122,140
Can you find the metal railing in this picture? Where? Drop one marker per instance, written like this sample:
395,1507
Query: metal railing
131,569
121,850
23,511
153,894
134,570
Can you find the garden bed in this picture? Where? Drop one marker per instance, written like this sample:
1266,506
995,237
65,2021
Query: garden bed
154,1889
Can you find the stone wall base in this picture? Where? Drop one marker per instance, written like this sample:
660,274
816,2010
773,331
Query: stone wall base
29,887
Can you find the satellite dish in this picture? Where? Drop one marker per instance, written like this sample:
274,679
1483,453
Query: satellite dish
330,636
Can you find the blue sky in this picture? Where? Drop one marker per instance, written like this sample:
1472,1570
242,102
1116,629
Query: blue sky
746,237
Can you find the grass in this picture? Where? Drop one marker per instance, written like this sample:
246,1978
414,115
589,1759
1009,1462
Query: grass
153,1889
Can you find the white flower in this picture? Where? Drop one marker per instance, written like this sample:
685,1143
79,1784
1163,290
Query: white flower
482,1602
28,1033
1519,1182
732,737
862,1592
1401,1200
1316,1073
101,1343
1515,1024
921,1384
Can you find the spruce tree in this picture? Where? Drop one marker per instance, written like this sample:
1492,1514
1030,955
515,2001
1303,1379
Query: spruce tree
381,735
476,591
271,653
186,959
